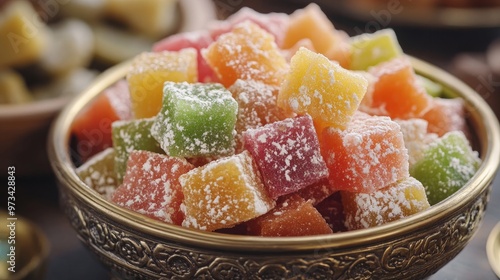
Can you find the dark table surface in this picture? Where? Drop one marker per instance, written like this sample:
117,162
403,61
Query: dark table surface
37,197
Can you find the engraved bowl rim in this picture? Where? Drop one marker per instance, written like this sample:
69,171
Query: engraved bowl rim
483,120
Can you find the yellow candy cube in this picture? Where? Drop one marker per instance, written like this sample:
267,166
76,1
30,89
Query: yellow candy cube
394,202
321,88
223,193
13,89
23,35
148,73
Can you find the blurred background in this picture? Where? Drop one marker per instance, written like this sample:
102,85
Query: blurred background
72,41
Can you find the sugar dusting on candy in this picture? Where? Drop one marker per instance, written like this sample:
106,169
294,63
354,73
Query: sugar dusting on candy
256,107
368,155
447,165
287,153
151,186
223,193
396,201
274,23
446,115
416,138
98,173
196,120
247,52
130,135
321,88
150,61
119,98
292,216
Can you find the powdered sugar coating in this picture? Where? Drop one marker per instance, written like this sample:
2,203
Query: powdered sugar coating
248,53
119,98
162,61
322,89
368,155
292,216
416,138
287,153
394,202
448,164
148,72
196,120
256,107
311,23
130,135
223,193
151,186
198,40
99,174
274,23
446,115
396,91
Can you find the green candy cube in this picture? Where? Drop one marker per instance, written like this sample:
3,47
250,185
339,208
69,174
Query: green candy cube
129,135
371,49
432,88
447,165
196,120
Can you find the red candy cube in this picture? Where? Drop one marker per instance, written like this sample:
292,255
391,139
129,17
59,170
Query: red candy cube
151,186
287,153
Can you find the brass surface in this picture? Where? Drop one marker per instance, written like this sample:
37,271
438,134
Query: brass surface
134,246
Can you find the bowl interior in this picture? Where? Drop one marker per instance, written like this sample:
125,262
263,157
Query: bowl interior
482,120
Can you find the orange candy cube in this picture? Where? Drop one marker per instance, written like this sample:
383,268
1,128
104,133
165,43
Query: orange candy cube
224,193
247,52
311,23
293,216
151,186
396,91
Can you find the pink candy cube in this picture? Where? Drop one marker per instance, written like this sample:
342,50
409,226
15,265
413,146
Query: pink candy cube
287,153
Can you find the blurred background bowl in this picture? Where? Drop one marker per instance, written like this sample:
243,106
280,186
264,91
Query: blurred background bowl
31,249
24,127
133,246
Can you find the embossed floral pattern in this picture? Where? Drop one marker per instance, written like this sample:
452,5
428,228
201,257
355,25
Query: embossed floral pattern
133,256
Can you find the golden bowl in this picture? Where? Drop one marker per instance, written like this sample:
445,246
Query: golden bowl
23,135
133,246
